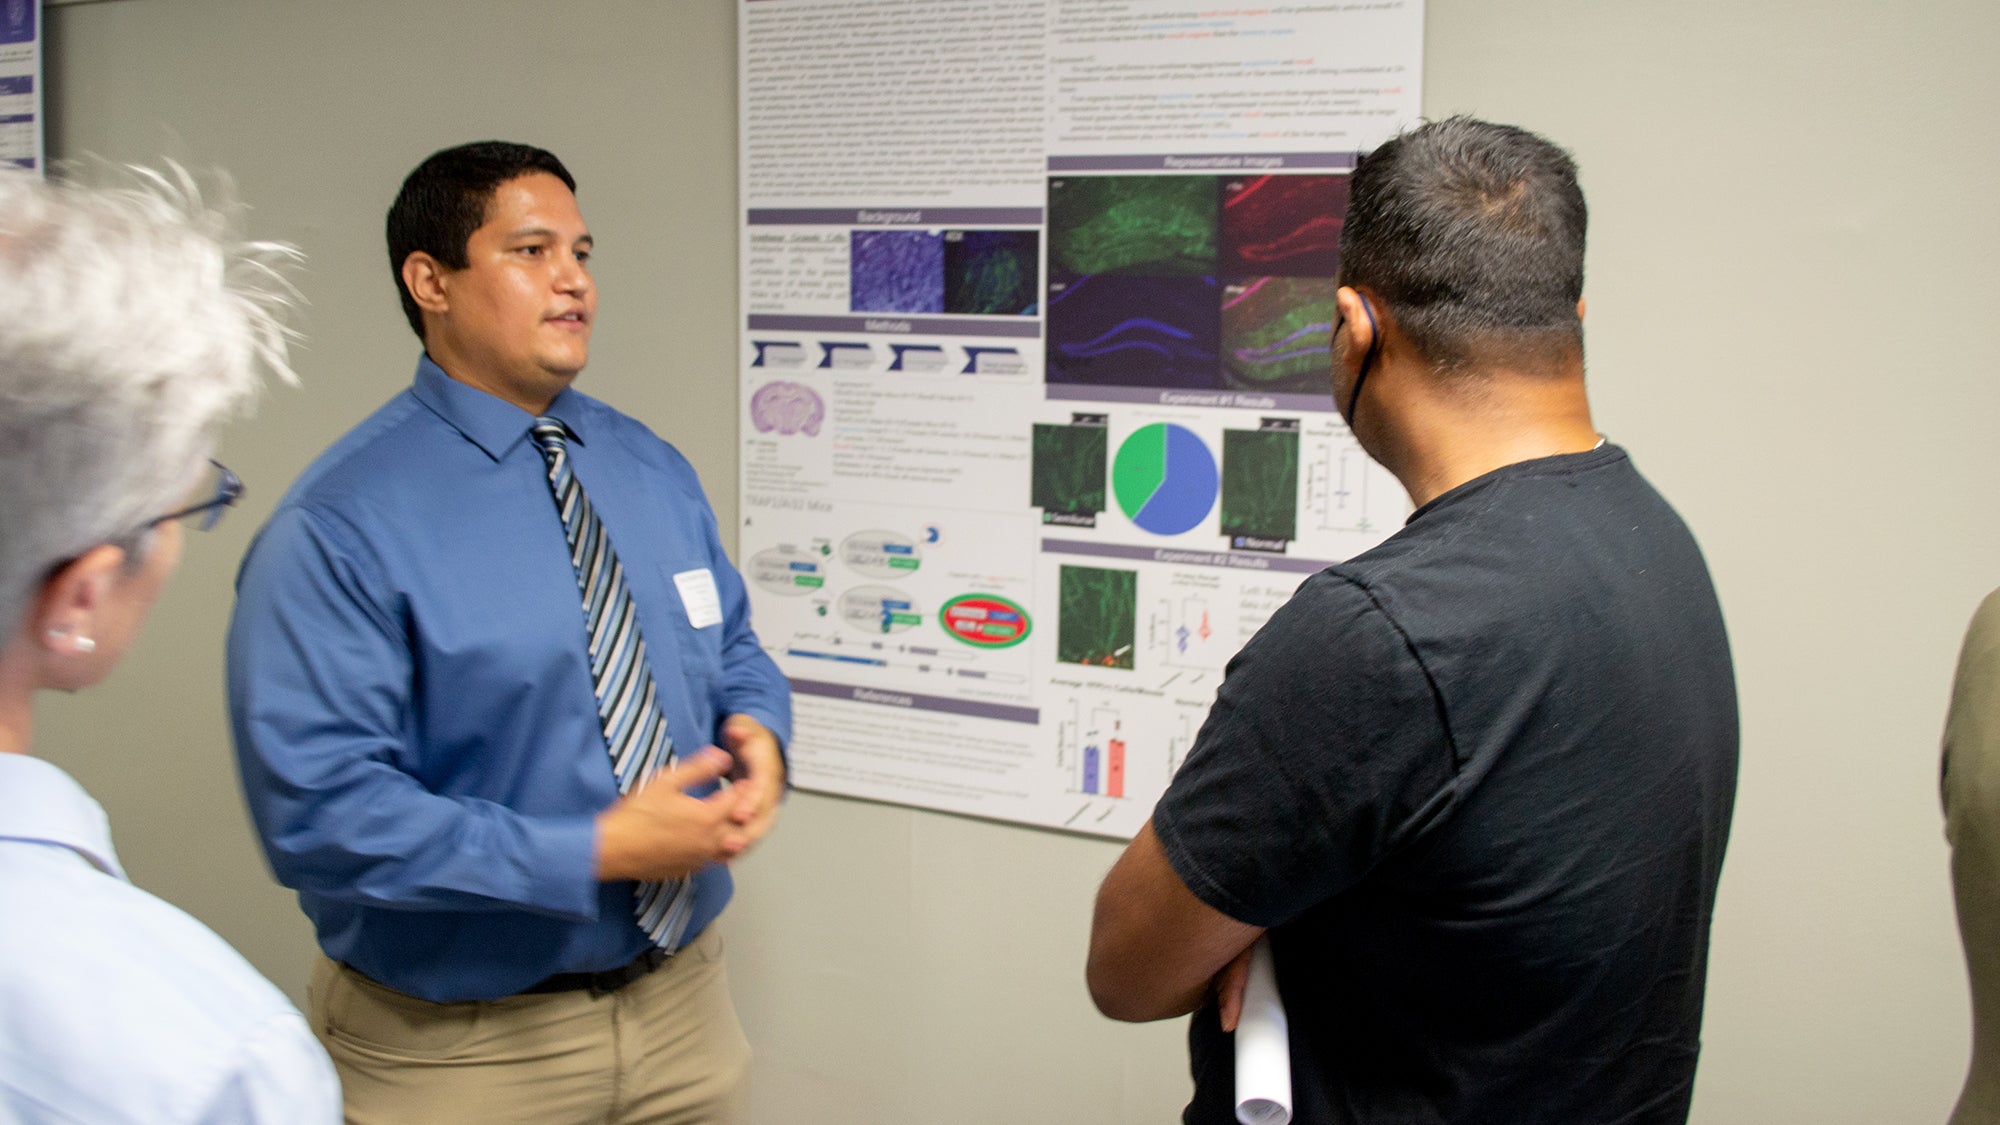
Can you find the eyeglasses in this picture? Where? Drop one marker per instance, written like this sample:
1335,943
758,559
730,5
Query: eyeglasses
224,490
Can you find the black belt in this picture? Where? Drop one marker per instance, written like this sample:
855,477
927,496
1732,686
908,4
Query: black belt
607,981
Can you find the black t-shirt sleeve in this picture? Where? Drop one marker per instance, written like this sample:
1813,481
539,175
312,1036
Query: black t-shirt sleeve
1324,746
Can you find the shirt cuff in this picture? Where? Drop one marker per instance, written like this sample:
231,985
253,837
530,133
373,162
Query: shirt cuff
780,729
563,880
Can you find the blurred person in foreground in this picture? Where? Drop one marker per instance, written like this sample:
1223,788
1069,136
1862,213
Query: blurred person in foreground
1970,783
1475,782
131,326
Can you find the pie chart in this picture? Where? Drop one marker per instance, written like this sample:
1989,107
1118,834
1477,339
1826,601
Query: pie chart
1164,478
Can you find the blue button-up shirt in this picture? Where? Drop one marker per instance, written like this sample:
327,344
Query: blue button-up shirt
118,1009
410,693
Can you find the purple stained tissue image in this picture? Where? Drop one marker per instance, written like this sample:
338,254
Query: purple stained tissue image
787,408
896,271
17,20
1125,331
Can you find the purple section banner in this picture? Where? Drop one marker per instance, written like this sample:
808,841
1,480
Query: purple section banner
1155,396
1211,162
912,701
896,325
1227,560
891,216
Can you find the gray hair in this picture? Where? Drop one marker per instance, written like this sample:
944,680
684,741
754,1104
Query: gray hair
132,323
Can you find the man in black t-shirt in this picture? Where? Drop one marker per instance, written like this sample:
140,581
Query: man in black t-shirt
1476,782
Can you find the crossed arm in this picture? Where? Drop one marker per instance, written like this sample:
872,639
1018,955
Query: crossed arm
1156,950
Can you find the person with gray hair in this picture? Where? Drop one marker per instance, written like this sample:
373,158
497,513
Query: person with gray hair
132,324
1476,782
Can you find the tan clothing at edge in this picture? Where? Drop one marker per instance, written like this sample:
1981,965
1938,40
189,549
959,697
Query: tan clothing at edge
668,1043
1972,825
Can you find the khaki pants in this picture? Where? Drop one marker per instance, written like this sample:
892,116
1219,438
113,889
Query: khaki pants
666,1048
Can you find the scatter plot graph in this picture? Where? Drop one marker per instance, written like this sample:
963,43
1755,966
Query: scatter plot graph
1164,478
1260,484
1277,334
896,271
1068,469
1096,616
1286,226
1158,225
787,408
1180,632
1344,490
992,272
1135,332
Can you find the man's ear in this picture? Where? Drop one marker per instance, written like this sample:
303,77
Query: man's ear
1579,308
424,276
1361,328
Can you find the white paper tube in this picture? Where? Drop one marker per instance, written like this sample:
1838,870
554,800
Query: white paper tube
1263,1046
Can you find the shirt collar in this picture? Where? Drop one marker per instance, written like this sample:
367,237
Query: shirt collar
40,804
487,421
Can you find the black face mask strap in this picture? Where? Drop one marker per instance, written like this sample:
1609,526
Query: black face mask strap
1367,360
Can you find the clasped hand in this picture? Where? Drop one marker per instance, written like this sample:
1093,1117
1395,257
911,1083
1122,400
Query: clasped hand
661,831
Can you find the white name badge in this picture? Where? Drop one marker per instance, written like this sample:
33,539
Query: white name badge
699,596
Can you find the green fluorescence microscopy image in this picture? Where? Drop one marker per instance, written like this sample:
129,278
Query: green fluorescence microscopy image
1260,484
1097,615
1277,334
1163,226
1068,469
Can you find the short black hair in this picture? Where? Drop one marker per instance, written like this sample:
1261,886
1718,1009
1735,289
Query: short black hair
1472,233
444,200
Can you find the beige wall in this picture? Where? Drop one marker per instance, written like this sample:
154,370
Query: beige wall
1790,300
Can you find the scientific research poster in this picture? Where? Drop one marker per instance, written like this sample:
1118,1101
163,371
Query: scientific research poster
21,139
1036,425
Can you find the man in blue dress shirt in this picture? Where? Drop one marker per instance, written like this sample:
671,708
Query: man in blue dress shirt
418,724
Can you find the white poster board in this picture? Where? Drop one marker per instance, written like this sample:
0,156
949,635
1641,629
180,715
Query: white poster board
22,144
1036,430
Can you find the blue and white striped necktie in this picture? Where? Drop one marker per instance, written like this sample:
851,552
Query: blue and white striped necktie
635,732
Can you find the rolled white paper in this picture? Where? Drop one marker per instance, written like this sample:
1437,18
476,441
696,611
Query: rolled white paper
1263,1046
